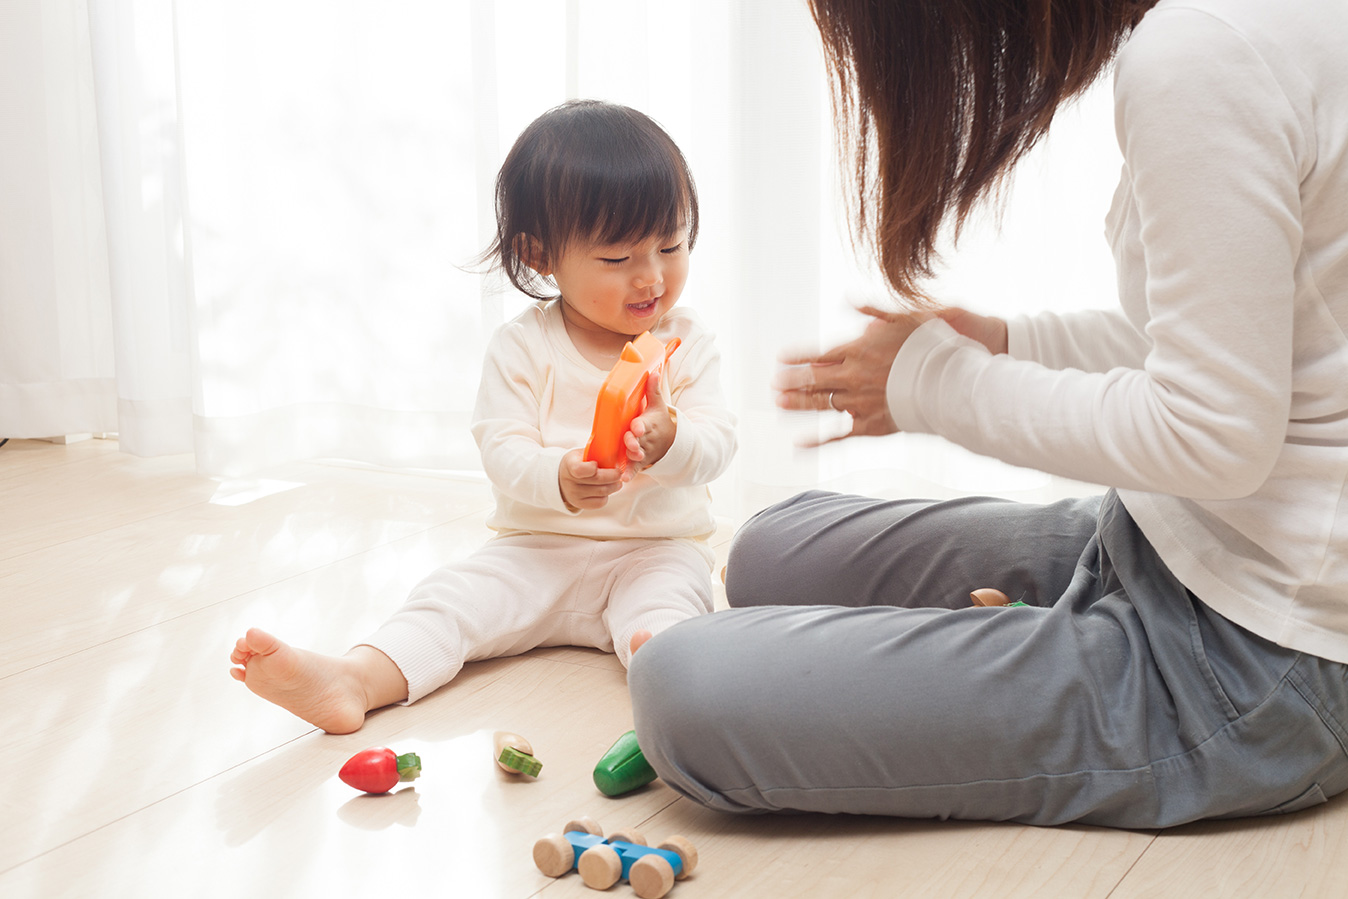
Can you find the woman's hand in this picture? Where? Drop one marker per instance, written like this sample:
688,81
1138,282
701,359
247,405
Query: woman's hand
987,330
850,378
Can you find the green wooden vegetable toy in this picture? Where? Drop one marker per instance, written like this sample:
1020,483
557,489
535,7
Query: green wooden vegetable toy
623,768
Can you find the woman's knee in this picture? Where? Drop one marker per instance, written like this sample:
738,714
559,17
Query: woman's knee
665,680
674,681
759,565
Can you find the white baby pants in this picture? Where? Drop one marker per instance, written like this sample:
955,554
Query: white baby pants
521,591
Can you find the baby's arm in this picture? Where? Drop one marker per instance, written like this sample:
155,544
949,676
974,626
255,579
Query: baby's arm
507,424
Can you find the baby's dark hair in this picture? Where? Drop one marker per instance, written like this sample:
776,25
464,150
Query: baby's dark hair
592,171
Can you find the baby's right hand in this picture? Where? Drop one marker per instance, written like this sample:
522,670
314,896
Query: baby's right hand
585,485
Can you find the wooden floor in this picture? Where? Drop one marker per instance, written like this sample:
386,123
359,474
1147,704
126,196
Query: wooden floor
133,765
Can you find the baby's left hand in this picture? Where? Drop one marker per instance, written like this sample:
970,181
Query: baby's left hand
652,432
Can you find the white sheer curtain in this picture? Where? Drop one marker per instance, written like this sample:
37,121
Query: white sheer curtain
242,230
56,362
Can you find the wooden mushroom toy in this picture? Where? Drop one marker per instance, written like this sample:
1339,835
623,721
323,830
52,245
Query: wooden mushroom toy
514,754
987,596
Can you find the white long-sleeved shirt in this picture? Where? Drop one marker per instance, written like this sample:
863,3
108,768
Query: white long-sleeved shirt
536,401
1216,398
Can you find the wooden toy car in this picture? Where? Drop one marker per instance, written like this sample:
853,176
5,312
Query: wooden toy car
624,855
623,397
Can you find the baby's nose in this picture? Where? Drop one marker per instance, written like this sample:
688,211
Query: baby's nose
648,277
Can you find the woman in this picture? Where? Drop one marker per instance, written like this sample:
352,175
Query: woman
1182,650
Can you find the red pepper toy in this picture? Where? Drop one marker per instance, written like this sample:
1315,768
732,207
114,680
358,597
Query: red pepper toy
379,770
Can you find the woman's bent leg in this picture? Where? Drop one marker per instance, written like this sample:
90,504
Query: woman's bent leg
838,549
976,714
1123,703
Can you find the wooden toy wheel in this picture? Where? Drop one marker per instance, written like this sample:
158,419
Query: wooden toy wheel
627,836
685,850
553,855
651,877
584,825
600,866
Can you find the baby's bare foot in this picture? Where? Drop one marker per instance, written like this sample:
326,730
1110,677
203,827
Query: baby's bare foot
639,640
322,690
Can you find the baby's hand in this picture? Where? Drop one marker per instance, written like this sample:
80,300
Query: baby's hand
652,432
585,485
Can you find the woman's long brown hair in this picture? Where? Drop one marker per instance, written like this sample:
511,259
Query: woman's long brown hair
935,101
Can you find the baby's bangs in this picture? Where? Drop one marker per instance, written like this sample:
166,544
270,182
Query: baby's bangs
635,201
630,185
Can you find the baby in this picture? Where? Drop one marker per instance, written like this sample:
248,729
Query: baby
596,217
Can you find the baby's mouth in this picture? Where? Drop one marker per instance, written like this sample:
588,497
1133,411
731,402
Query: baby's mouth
646,306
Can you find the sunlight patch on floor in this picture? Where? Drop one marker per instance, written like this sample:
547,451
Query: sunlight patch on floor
242,492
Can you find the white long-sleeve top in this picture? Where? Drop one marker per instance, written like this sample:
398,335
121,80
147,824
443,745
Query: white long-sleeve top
536,401
1216,398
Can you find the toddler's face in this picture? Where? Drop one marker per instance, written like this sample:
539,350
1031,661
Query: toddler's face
624,288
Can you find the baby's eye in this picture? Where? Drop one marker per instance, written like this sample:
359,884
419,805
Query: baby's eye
609,261
674,249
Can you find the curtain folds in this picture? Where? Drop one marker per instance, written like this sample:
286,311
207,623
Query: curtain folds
248,230
57,371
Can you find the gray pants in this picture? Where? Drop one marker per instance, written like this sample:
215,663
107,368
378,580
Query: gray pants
863,680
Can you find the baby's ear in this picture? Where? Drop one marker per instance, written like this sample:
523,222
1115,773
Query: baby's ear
530,251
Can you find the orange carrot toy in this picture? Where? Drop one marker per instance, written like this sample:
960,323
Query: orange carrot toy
623,398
